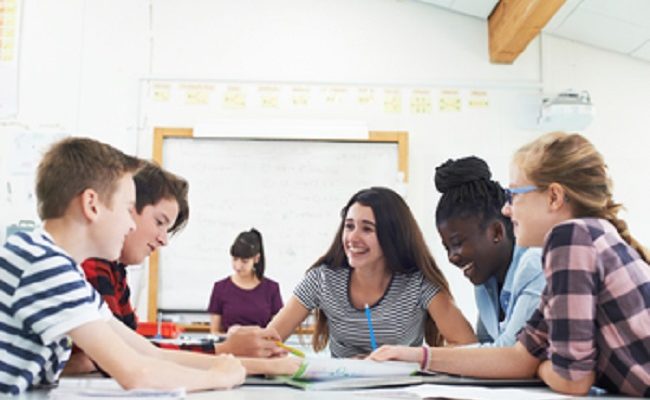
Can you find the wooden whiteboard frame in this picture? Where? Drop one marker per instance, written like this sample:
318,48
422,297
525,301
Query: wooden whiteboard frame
160,134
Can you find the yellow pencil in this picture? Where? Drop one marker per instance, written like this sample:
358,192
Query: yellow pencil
290,349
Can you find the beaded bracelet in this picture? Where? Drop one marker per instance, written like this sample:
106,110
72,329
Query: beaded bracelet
425,358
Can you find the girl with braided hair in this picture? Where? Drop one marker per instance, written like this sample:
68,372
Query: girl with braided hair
479,240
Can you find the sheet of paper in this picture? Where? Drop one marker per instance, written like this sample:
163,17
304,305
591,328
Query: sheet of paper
85,388
481,393
350,383
332,368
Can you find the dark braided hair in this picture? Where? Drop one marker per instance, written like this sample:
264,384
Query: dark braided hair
468,191
248,244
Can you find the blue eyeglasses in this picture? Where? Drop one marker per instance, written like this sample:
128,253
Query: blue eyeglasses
511,192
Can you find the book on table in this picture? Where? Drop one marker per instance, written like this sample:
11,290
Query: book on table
320,373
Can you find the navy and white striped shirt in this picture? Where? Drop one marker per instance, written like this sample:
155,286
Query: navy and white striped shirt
397,318
43,296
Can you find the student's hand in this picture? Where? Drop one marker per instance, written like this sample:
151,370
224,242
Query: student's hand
401,353
251,341
284,365
229,371
287,365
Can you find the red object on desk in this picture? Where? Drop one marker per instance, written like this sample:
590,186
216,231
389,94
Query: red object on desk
167,329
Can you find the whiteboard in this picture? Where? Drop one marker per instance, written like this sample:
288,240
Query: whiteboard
291,191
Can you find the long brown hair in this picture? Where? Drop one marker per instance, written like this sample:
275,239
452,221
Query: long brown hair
402,244
573,162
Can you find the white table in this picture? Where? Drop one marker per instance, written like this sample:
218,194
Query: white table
283,393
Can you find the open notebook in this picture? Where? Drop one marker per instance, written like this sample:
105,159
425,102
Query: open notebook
320,373
346,374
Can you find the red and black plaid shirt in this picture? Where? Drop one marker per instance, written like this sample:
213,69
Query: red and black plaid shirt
109,279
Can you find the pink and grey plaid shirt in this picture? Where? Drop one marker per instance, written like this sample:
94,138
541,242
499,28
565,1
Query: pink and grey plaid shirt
595,310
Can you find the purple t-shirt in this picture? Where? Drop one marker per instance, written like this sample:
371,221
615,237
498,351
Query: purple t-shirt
239,306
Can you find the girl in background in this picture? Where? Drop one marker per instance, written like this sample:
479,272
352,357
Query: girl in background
378,258
246,297
479,240
593,324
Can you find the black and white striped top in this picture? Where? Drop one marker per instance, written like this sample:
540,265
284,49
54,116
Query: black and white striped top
397,318
43,296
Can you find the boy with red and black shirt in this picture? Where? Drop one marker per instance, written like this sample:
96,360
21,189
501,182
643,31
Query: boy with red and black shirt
161,209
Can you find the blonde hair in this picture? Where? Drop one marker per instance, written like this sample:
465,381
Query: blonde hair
573,162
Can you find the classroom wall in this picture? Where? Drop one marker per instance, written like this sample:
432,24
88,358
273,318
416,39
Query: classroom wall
82,65
621,129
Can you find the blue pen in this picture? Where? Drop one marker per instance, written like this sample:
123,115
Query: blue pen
373,342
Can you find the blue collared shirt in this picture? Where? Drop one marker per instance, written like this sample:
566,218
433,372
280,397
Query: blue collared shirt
520,296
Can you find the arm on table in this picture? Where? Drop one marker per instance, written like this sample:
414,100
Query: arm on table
556,382
488,362
243,339
135,363
287,365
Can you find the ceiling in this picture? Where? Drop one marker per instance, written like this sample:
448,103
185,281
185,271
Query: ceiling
622,26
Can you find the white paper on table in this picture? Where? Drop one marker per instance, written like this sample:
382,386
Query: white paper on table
482,393
331,368
108,388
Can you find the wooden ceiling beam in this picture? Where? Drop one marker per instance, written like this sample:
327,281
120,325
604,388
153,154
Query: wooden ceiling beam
515,23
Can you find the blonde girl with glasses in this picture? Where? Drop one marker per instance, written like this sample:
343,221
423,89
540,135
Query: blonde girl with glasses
593,324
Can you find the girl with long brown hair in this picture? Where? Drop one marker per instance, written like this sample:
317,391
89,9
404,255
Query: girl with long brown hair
377,258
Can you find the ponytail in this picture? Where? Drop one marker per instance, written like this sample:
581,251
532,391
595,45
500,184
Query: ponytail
260,264
248,244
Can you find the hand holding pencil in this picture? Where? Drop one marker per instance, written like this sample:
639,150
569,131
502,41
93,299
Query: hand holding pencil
248,341
290,349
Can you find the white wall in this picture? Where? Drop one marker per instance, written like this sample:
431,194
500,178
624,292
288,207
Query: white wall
82,61
621,130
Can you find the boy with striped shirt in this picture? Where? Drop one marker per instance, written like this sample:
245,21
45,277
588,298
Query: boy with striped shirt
85,197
